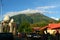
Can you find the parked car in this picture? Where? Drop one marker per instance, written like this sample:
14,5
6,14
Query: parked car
33,36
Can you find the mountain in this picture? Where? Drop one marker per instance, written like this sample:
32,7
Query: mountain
31,18
22,18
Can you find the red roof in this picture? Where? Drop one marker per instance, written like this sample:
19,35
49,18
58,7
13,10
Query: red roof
36,28
43,28
51,26
54,26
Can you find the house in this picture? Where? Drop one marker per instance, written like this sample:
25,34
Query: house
36,29
51,28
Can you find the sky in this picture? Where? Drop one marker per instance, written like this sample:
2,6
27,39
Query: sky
50,8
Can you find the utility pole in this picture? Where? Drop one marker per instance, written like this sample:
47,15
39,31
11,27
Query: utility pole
1,8
1,30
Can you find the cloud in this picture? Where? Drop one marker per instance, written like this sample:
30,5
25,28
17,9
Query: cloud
55,18
11,13
27,11
30,11
35,10
46,7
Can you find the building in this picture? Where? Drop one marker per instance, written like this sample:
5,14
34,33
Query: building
8,25
51,28
1,28
36,29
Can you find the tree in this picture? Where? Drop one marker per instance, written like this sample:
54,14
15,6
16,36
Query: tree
42,24
58,21
24,27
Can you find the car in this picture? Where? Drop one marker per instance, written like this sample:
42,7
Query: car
35,35
29,35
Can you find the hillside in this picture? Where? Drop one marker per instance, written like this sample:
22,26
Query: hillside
31,18
22,18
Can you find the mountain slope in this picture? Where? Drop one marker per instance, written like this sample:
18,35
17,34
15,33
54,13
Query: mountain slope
37,17
31,18
22,18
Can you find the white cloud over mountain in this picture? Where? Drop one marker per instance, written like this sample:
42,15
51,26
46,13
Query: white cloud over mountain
23,12
55,18
37,9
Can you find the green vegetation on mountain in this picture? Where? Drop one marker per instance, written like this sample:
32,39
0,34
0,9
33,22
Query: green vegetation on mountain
22,17
27,21
32,18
